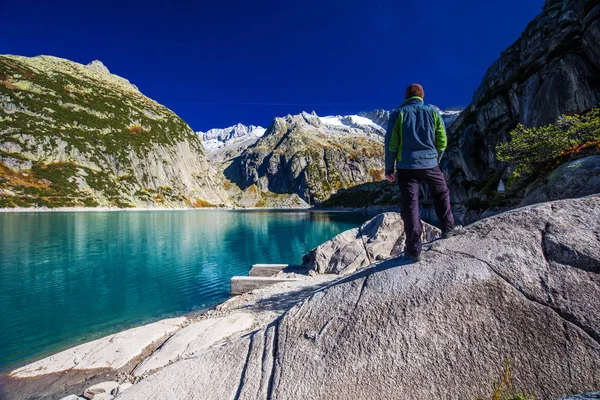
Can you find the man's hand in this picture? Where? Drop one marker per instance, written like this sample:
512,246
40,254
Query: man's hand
390,178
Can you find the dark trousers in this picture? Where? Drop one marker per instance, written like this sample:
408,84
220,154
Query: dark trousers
409,180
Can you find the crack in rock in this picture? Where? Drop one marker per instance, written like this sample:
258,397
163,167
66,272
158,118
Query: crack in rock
245,368
561,314
275,350
543,244
360,233
362,290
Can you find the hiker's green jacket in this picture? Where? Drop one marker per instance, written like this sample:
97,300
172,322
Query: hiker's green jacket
415,137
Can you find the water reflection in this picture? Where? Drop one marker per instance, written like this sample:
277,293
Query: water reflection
71,277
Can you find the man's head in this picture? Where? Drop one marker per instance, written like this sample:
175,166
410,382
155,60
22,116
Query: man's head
414,90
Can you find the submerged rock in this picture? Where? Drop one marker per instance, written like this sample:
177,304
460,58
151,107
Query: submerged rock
378,239
521,286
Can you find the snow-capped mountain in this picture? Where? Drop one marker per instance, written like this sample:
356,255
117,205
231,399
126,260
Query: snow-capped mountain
304,155
216,139
449,116
227,143
382,117
354,125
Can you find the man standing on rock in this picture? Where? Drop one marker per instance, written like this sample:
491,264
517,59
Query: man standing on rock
415,141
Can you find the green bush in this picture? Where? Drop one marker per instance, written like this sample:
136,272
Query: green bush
535,151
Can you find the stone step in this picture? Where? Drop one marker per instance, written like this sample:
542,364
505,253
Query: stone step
244,284
266,270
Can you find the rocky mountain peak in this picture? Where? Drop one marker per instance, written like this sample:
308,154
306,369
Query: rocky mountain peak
379,116
226,143
311,119
234,132
98,66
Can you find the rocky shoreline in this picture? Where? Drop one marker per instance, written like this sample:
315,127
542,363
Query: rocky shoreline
513,286
129,356
516,288
105,209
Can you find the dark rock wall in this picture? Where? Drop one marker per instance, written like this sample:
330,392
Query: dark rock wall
551,70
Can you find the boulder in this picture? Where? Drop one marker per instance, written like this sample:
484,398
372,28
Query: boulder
521,286
342,254
574,179
384,236
377,239
101,390
72,397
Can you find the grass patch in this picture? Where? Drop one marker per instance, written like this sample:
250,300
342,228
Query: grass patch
503,388
200,203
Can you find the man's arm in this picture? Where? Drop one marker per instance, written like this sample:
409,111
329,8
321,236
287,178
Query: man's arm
441,140
393,138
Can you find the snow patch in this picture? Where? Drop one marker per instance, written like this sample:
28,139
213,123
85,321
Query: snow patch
352,121
216,139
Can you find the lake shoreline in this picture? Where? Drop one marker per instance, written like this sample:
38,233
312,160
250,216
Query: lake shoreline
196,255
56,376
144,209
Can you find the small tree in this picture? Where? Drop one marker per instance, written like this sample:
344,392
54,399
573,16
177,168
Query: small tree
534,151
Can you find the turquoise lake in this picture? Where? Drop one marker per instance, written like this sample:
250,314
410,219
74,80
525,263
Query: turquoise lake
70,277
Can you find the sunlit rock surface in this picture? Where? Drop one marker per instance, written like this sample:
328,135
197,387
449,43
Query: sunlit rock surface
518,286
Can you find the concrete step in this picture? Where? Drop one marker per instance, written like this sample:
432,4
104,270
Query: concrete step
266,270
244,284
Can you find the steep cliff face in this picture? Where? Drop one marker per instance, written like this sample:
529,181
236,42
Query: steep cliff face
75,135
312,157
552,69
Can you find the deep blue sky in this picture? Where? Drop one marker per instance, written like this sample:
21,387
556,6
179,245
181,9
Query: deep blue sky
219,62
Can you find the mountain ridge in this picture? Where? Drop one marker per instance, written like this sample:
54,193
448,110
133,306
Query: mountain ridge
313,157
217,138
74,135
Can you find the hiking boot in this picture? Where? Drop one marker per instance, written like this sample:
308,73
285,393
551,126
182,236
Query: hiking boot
415,259
458,230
